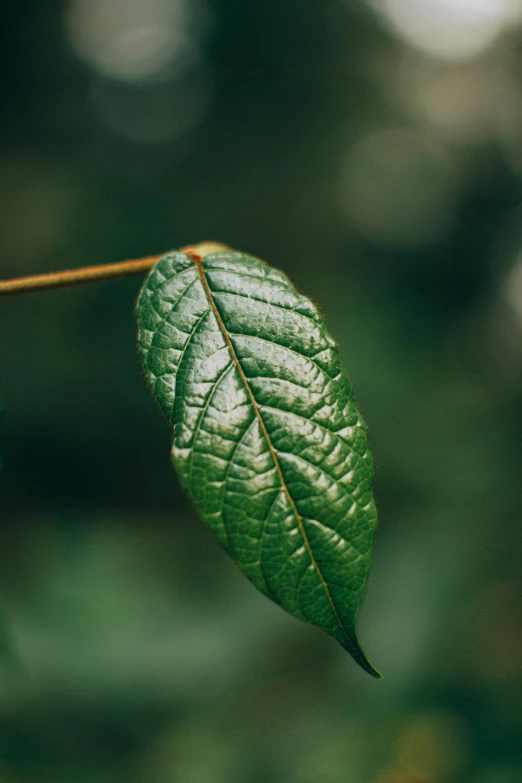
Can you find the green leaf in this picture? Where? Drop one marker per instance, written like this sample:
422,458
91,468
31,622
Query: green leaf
267,438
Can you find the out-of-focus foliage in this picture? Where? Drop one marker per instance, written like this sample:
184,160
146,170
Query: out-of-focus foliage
382,146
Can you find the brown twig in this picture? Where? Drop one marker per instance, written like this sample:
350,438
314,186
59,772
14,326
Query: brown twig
91,274
87,274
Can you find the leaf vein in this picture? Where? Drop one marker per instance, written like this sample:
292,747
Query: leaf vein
269,304
292,350
203,412
273,452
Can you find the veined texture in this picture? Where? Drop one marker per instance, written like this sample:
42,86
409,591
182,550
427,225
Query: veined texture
267,438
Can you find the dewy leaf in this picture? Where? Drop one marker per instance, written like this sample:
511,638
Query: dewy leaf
267,438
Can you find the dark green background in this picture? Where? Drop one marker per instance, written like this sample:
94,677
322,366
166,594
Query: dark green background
388,186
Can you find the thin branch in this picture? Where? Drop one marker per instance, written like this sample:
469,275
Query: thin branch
91,274
88,274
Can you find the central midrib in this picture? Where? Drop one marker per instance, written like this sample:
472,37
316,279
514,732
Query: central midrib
199,264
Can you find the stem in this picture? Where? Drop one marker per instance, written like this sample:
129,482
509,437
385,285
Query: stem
91,274
88,274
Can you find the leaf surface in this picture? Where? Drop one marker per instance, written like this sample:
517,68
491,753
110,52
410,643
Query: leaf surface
267,438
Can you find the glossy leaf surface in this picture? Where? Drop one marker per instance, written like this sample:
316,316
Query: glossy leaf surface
267,438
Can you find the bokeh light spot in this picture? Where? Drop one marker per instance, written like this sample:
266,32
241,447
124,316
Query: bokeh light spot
153,113
133,40
397,187
450,29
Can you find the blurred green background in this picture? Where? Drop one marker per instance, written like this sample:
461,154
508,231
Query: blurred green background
372,150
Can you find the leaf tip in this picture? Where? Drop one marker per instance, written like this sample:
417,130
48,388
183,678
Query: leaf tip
365,664
351,644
